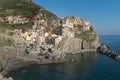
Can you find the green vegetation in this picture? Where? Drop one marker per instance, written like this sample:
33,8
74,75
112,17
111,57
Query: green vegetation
91,28
78,27
25,8
85,35
4,26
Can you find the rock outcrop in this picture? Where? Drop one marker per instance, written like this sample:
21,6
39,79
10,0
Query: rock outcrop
80,40
6,55
12,58
105,50
77,44
3,78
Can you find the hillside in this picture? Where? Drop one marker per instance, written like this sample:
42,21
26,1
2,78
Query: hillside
25,8
21,14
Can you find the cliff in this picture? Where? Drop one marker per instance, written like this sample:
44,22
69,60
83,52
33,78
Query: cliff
7,53
81,37
78,45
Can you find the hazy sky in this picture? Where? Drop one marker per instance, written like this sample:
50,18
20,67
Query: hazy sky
104,15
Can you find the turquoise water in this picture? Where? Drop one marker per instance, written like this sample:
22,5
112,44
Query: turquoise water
90,66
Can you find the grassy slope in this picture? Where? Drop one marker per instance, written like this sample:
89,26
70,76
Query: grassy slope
22,7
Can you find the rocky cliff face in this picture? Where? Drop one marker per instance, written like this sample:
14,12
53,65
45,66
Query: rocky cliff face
3,78
76,44
81,40
7,54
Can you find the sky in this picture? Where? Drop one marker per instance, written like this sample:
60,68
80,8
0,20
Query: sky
104,15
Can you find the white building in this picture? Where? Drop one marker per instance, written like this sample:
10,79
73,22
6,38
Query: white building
68,23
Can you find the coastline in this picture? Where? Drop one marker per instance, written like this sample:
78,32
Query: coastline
20,62
20,56
30,62
16,63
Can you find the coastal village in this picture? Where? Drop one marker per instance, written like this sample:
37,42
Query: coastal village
44,34
31,35
43,41
39,44
40,34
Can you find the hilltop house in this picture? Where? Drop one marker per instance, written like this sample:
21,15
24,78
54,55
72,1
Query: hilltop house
78,21
71,21
40,33
86,25
68,23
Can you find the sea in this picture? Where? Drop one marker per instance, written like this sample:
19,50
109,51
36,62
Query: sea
90,66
